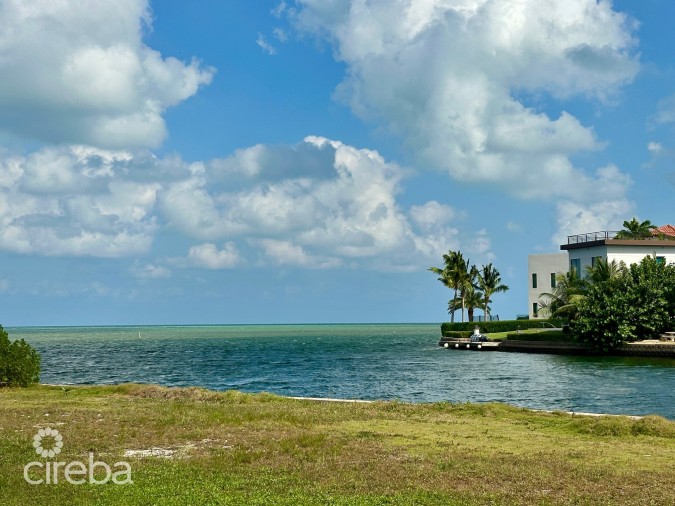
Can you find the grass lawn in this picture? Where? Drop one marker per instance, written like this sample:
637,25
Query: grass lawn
234,448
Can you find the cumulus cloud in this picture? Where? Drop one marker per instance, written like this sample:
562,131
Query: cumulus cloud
208,256
77,74
318,204
446,76
66,201
457,80
575,218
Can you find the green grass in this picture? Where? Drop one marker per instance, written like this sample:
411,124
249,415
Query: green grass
234,448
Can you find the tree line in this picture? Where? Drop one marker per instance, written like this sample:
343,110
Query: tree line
472,287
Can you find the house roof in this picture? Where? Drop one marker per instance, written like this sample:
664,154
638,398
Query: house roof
668,230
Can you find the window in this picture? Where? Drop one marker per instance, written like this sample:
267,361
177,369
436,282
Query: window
534,280
553,280
575,265
595,260
660,260
535,309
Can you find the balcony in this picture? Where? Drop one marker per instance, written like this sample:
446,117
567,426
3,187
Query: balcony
591,237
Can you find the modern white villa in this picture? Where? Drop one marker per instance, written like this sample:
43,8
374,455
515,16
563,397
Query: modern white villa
585,249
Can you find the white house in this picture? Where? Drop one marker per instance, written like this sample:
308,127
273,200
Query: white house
541,272
585,249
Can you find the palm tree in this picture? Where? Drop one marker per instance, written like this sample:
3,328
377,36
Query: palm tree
490,282
568,292
450,276
466,281
633,229
604,270
473,298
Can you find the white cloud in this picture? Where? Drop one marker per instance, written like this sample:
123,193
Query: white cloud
286,253
655,148
318,204
66,201
314,205
454,79
264,45
208,256
665,111
432,215
79,73
149,271
576,218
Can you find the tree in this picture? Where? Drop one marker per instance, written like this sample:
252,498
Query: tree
450,274
603,270
19,362
473,298
490,282
466,282
633,229
637,304
563,301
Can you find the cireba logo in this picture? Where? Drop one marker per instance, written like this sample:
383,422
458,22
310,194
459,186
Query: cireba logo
48,443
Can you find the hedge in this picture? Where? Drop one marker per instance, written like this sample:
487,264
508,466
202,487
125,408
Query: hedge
498,326
458,334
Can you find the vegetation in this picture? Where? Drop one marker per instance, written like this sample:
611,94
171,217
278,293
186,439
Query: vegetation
563,301
634,229
636,303
19,362
472,288
499,326
490,282
231,448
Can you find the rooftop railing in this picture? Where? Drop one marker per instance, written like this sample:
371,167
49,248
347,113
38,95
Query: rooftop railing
592,236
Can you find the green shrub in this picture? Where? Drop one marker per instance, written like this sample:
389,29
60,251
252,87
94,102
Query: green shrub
458,333
19,362
638,304
498,326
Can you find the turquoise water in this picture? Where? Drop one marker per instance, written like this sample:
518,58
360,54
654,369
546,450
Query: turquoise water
400,362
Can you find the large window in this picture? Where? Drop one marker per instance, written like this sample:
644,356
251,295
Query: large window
534,280
553,280
575,265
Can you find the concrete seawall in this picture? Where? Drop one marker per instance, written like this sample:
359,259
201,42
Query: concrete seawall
655,349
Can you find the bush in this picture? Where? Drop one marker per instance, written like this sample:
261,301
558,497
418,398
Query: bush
458,334
638,304
498,326
19,362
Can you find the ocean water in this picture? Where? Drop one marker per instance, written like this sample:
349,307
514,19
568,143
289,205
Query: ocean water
401,362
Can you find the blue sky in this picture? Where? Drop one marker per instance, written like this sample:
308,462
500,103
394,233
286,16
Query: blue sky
306,161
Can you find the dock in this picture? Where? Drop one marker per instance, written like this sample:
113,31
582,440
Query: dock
652,348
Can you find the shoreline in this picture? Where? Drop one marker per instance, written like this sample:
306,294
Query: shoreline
651,348
364,401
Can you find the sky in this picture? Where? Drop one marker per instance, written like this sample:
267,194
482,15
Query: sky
307,161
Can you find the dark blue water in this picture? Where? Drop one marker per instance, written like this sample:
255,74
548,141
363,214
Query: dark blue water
350,361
